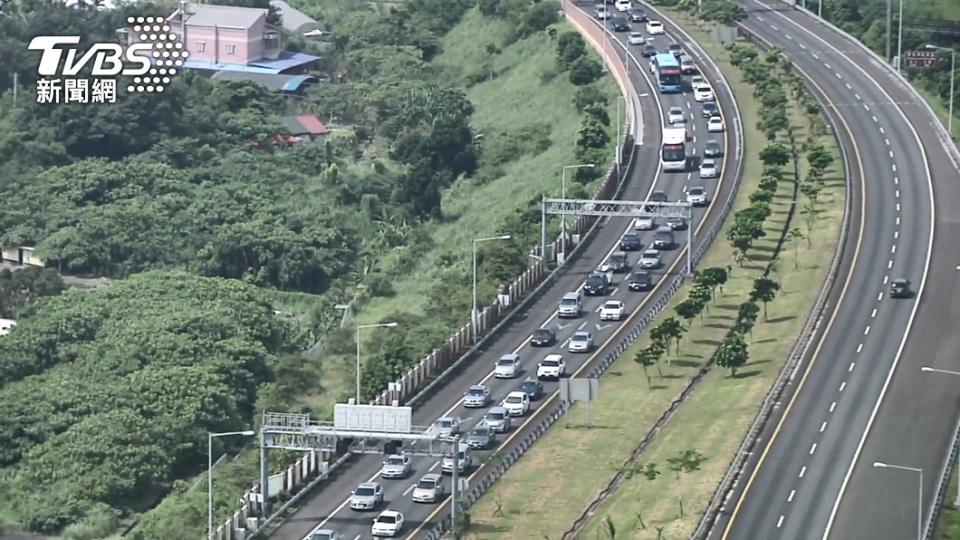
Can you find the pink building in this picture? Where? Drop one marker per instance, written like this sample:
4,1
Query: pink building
225,34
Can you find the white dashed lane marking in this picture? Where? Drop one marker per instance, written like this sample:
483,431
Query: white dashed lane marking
803,471
833,406
859,348
843,385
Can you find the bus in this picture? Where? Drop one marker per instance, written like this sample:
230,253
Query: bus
673,154
666,69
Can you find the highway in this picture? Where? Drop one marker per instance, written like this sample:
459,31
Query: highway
327,507
860,397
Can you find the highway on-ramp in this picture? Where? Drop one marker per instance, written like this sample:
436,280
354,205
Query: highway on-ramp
327,507
860,396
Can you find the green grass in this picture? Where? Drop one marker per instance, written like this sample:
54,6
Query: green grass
627,408
949,526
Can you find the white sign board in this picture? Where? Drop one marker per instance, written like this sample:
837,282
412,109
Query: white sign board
372,418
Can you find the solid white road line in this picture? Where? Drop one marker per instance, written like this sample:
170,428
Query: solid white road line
409,489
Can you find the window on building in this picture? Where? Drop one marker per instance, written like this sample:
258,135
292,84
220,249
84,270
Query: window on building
231,49
201,46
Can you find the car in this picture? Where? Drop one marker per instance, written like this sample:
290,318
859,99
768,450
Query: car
429,489
638,16
508,367
676,49
709,169
464,459
447,426
696,81
543,337
388,523
709,108
480,437
636,38
623,5
630,242
639,281
325,534
551,367
648,51
644,223
581,342
570,305
619,23
676,223
650,259
900,288
532,388
687,65
697,196
395,466
659,196
654,28
618,262
611,310
675,115
602,13
712,148
596,284
516,403
703,93
367,496
715,124
663,238
498,419
477,396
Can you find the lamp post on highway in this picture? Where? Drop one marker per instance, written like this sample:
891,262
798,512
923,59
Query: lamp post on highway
926,369
210,437
953,71
881,465
563,195
474,316
361,327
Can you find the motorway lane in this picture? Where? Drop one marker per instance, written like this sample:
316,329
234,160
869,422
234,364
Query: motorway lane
331,511
792,494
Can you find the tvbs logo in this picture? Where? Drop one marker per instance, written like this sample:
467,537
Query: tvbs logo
150,60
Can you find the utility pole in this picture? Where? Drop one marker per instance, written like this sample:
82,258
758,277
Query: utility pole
900,38
889,20
453,488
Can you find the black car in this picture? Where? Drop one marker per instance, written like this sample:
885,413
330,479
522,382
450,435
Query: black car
648,51
620,24
712,149
709,109
656,196
638,16
532,388
595,284
544,337
640,281
631,242
618,262
900,288
676,49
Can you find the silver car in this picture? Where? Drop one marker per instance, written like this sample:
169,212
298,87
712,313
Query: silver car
480,438
477,395
429,489
395,466
447,426
581,342
367,496
650,259
325,534
497,419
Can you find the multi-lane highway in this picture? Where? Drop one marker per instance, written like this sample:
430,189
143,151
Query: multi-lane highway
860,396
328,508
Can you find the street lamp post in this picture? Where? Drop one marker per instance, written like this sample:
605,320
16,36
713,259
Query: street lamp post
474,318
881,465
900,38
360,327
953,71
210,437
563,195
956,502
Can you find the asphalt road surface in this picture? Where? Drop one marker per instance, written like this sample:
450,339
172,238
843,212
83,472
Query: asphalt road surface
327,508
860,397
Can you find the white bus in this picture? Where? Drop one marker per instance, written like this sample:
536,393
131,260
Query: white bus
673,155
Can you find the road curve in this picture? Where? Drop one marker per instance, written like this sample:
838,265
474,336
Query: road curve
860,397
326,506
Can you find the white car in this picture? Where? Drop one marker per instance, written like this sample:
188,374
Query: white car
581,342
644,223
395,466
367,496
709,169
654,27
612,310
715,124
675,116
697,196
388,523
636,38
516,403
552,367
702,93
623,5
602,13
428,489
650,259
696,81
508,367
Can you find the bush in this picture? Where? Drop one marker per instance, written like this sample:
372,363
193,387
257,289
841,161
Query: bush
589,95
379,284
585,70
599,113
539,17
570,47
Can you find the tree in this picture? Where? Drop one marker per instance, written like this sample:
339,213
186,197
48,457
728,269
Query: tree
538,17
688,309
584,70
732,353
589,95
794,235
669,329
644,358
598,112
17,289
764,290
701,294
714,277
747,317
650,356
818,157
591,134
775,155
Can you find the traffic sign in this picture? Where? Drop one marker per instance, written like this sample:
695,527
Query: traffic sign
920,59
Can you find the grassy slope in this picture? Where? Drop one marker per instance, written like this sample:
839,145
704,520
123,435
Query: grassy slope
628,408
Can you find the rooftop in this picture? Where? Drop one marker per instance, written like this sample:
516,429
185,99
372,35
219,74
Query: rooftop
293,19
273,81
221,16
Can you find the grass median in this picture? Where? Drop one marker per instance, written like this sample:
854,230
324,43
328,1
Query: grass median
555,480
